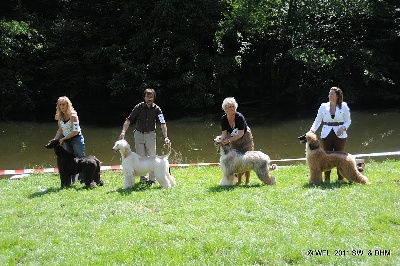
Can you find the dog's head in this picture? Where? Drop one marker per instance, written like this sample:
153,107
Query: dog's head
311,139
123,147
302,138
221,149
217,141
53,143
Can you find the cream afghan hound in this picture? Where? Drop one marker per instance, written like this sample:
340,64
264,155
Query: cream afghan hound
232,162
319,161
135,165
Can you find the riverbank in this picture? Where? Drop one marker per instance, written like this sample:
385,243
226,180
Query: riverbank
200,223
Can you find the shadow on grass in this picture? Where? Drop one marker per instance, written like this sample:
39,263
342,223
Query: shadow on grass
44,191
325,186
139,187
219,188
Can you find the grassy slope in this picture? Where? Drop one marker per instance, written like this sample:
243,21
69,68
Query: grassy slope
201,223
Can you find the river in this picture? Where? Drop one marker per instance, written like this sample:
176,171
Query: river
22,144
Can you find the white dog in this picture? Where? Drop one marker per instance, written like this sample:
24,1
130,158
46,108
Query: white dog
135,165
232,162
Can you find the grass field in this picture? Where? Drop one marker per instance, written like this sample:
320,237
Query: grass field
200,223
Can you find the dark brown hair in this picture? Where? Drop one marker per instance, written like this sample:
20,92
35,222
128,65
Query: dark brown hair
339,94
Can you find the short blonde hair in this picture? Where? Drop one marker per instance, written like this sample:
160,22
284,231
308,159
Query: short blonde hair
228,101
70,109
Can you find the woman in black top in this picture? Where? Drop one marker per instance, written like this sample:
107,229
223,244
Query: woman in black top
235,131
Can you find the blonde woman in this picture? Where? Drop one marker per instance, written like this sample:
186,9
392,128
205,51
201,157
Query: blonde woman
69,132
235,131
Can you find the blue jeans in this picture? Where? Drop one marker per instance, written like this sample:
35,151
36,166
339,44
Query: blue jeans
76,145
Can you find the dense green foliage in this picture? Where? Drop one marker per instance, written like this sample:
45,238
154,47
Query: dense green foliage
104,53
200,223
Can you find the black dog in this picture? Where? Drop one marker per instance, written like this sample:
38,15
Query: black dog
68,165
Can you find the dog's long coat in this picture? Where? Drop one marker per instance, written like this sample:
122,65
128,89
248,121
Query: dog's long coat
319,161
68,165
135,165
232,162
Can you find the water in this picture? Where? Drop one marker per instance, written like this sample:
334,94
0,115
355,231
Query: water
22,143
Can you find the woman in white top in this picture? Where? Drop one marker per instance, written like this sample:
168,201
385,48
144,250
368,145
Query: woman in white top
69,131
335,117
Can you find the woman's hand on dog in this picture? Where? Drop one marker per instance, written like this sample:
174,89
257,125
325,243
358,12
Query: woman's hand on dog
224,142
61,141
52,141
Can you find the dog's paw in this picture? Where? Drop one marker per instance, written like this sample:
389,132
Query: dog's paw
273,181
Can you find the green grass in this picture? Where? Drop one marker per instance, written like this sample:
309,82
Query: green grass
200,223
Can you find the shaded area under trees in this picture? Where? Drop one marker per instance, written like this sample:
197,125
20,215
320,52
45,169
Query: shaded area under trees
102,54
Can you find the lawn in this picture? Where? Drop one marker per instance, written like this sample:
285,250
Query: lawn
200,223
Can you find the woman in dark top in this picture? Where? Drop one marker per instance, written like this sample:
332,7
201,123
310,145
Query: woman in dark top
235,131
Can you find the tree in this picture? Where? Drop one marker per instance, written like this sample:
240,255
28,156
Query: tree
171,48
20,44
293,50
104,53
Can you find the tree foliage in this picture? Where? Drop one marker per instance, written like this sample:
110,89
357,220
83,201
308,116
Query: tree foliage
103,53
20,47
300,48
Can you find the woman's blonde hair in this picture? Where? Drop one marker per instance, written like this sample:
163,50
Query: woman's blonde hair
70,109
229,101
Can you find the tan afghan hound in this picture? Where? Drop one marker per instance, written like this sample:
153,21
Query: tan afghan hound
319,161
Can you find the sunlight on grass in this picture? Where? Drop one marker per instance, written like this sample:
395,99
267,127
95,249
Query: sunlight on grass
200,223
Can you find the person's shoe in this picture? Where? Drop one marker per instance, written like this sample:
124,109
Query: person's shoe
150,183
92,184
75,178
144,179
